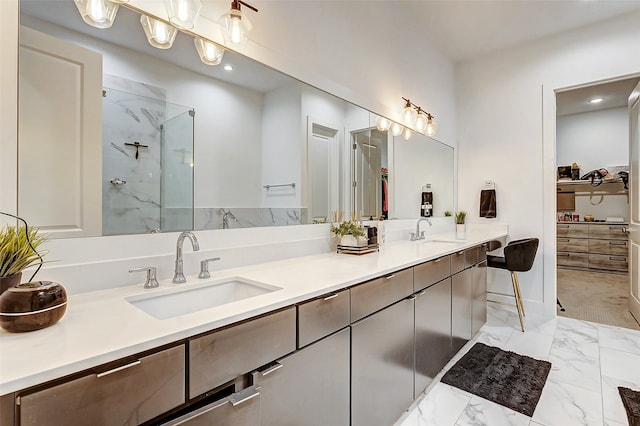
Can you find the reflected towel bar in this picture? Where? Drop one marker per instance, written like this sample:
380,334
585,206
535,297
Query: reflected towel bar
293,185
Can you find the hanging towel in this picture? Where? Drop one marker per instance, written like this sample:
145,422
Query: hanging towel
385,202
488,203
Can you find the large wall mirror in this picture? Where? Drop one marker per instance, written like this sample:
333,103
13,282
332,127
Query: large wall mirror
118,137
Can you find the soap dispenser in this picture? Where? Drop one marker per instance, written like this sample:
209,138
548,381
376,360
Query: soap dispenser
426,204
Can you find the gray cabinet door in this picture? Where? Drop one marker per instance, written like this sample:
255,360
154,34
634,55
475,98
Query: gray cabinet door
309,387
461,296
433,333
382,365
479,304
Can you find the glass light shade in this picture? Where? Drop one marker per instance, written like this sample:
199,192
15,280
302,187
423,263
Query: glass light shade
97,13
159,34
421,122
382,124
407,133
409,116
183,13
210,53
396,129
236,29
431,128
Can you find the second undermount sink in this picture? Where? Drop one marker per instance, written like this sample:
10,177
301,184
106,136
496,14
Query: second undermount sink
173,302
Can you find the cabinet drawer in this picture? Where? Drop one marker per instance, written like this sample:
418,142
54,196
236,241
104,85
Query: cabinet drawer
322,316
574,245
457,262
576,260
574,230
471,256
374,295
609,262
132,393
431,272
223,355
609,247
608,232
482,252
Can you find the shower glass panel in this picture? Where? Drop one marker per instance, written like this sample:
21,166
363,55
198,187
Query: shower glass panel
176,195
132,159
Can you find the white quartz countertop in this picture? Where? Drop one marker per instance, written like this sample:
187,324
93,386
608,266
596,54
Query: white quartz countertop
103,326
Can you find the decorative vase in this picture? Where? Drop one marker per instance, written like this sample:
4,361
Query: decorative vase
10,281
32,306
461,231
351,241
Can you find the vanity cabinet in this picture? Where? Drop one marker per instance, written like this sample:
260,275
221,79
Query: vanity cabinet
592,246
309,387
461,308
132,391
374,295
479,296
230,352
322,316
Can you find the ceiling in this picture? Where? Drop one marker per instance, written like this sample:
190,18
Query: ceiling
467,29
614,94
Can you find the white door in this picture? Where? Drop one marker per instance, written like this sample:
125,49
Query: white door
634,201
322,172
59,136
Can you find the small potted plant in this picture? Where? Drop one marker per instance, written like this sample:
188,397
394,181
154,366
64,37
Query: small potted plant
447,213
350,233
18,251
461,228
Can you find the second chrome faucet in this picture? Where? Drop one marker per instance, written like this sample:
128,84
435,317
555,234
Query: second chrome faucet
178,277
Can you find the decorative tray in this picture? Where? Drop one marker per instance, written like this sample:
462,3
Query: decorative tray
358,250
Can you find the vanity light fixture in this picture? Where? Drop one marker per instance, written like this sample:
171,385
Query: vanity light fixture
120,1
382,123
183,13
432,126
421,121
396,129
236,25
408,114
596,100
407,133
210,53
97,13
159,34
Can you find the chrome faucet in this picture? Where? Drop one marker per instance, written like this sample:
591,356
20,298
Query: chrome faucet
419,235
225,219
179,275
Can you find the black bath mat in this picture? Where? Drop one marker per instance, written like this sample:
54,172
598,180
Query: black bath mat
506,378
631,402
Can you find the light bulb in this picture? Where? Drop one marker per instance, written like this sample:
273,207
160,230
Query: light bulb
408,115
210,53
396,129
407,133
382,124
236,31
236,28
183,13
421,122
159,34
97,13
431,127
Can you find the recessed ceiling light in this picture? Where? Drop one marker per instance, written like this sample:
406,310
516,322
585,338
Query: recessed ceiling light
596,100
228,67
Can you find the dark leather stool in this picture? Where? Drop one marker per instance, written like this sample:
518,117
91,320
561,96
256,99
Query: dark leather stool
518,257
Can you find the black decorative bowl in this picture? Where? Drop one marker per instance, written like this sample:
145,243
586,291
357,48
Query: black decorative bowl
32,306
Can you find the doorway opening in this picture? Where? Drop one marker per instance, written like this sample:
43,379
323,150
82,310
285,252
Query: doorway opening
593,209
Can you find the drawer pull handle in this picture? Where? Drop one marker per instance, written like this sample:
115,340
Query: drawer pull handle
271,369
619,259
564,254
563,226
617,243
422,293
244,395
413,297
122,367
437,260
388,277
460,252
564,240
333,296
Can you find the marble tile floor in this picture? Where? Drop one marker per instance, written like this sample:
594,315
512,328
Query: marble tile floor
589,361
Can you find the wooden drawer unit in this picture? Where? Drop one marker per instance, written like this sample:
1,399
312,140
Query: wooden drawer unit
573,230
620,247
322,316
133,392
608,232
575,245
574,260
609,262
223,355
374,295
431,272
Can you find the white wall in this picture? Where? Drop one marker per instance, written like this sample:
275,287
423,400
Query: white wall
506,117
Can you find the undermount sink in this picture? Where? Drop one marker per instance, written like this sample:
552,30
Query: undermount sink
173,302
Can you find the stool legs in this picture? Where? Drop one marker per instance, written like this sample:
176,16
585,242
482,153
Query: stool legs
518,296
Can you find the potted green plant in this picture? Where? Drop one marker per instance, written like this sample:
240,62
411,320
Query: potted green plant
18,251
447,213
461,227
350,233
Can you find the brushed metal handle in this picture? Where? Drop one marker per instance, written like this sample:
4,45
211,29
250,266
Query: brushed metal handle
271,369
621,259
412,297
564,254
460,252
244,395
333,296
122,367
388,277
563,226
564,240
617,243
437,260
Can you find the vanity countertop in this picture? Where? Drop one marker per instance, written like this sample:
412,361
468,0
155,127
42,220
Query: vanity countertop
102,326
